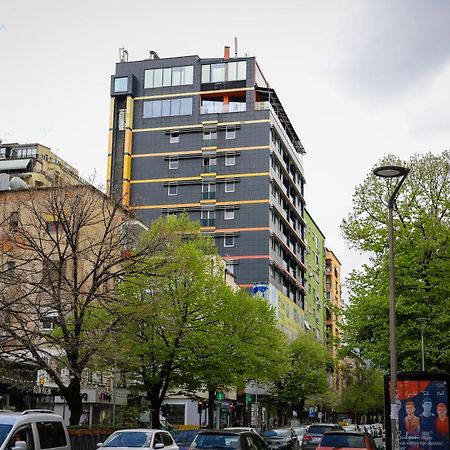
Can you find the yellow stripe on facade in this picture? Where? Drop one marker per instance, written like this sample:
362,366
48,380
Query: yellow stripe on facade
234,230
198,152
191,205
244,175
196,125
111,114
236,175
186,94
162,180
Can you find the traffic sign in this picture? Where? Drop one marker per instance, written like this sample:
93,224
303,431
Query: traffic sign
220,396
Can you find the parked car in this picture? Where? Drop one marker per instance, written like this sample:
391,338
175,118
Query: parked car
315,432
228,440
281,439
140,437
36,429
253,430
347,440
184,438
300,432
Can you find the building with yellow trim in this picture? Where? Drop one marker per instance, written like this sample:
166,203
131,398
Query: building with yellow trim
210,137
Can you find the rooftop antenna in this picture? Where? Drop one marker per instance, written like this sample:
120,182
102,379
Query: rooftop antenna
153,55
235,47
123,55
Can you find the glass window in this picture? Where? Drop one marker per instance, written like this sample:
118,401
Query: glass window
121,120
147,110
217,72
228,241
241,70
157,78
148,78
165,108
173,163
230,159
167,77
185,106
230,186
156,108
206,76
172,189
175,107
176,75
208,135
121,84
230,133
232,71
51,434
228,214
174,138
167,439
187,76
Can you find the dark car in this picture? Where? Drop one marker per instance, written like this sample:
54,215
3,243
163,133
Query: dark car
184,438
281,439
315,432
347,440
228,440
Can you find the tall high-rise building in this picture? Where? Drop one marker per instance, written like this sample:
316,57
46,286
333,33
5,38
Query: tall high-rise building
210,137
315,263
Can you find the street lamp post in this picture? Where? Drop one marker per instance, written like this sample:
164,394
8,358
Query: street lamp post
402,173
422,319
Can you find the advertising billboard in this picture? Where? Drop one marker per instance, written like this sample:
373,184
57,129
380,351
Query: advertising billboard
422,407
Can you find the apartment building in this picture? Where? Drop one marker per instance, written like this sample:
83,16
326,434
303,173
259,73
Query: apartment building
315,263
211,137
33,165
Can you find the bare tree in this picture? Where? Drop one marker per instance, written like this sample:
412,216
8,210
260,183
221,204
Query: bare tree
62,252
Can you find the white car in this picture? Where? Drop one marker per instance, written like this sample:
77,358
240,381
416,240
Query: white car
138,438
36,429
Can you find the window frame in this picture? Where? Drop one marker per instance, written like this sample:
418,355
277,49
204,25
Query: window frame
230,186
171,186
174,163
230,212
228,236
230,159
174,137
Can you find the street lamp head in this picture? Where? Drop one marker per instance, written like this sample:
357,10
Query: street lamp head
390,171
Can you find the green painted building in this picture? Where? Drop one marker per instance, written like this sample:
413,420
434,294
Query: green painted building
315,278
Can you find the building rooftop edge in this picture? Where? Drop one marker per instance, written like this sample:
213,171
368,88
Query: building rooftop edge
315,223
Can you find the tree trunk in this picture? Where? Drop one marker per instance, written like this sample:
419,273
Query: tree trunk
211,405
155,405
73,398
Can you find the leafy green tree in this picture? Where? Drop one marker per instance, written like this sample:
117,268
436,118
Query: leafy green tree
185,327
306,376
245,343
362,392
422,264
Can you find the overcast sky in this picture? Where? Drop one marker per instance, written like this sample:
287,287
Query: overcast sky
358,78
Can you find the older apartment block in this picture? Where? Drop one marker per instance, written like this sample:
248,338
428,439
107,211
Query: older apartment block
211,138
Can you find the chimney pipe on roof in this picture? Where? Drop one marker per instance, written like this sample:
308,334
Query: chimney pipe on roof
235,47
226,52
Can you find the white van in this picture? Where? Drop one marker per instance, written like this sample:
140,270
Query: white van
33,430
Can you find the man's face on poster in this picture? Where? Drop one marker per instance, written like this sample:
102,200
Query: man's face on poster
410,409
427,405
442,411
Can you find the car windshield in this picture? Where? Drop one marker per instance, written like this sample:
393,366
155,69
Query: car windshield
343,440
128,439
278,432
186,436
211,441
4,430
318,429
